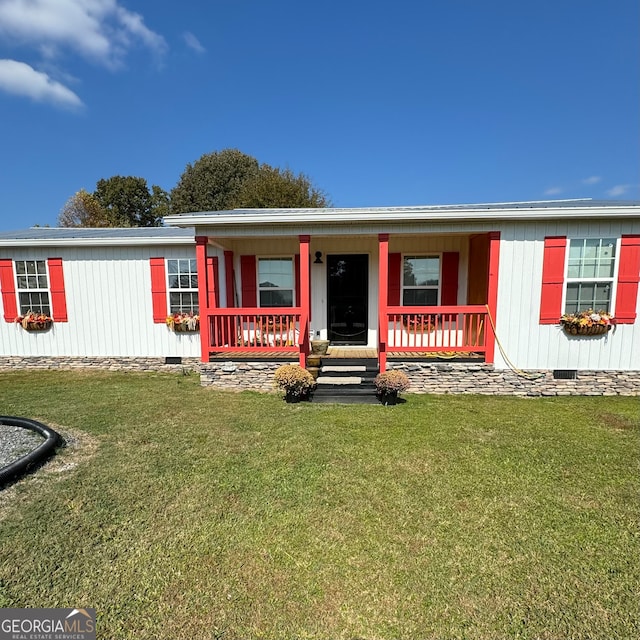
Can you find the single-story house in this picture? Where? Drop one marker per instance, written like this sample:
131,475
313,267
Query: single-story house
449,293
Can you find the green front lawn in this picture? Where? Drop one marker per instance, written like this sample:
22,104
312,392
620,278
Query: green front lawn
185,513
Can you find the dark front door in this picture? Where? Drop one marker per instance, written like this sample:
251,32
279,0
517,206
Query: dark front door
348,295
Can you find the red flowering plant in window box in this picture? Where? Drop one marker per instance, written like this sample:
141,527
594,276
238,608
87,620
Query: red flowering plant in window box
31,321
587,323
182,322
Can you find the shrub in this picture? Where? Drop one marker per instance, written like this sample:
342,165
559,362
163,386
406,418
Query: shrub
392,381
294,380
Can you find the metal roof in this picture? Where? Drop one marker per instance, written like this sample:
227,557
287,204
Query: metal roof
60,236
181,230
528,210
488,206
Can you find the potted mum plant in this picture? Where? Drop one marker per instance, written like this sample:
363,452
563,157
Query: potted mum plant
389,384
587,323
31,321
182,322
294,381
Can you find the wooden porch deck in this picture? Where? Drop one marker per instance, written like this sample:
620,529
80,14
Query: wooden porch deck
350,352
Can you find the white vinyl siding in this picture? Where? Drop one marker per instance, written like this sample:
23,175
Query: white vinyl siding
109,305
527,343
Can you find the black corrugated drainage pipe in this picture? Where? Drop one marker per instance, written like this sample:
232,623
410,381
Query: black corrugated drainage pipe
34,458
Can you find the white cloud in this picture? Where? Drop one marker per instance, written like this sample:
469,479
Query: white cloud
553,191
618,190
20,79
100,30
592,180
193,42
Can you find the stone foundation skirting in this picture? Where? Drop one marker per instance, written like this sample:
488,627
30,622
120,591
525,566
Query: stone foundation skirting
443,378
436,378
113,363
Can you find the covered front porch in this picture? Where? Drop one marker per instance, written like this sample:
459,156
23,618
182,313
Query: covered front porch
355,292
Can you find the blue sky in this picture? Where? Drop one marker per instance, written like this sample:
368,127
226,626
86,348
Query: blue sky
380,103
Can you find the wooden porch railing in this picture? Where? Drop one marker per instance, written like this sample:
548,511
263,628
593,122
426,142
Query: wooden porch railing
458,329
259,329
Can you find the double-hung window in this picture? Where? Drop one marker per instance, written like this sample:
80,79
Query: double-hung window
275,282
590,274
33,287
420,281
183,286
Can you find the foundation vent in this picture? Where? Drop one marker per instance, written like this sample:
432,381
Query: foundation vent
565,374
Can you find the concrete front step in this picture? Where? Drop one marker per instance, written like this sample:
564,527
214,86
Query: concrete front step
351,399
340,380
346,381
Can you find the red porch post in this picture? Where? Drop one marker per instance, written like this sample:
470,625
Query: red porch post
203,296
383,286
305,297
492,292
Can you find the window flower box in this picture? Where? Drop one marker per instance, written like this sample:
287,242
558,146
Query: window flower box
587,323
35,321
183,322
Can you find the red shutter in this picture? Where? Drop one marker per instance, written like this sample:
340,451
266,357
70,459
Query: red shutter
56,286
628,277
8,288
214,280
552,279
249,283
229,279
450,262
395,279
296,267
158,290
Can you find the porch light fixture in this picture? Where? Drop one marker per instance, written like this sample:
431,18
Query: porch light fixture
318,259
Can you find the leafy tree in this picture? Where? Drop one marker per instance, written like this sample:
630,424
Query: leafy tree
213,182
120,201
129,203
83,210
273,187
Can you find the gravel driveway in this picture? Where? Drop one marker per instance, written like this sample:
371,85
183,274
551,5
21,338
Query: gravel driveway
16,442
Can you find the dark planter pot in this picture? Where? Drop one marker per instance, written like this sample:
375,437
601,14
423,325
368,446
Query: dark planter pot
389,399
294,397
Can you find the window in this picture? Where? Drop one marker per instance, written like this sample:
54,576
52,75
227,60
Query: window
275,282
183,286
590,274
420,280
33,286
